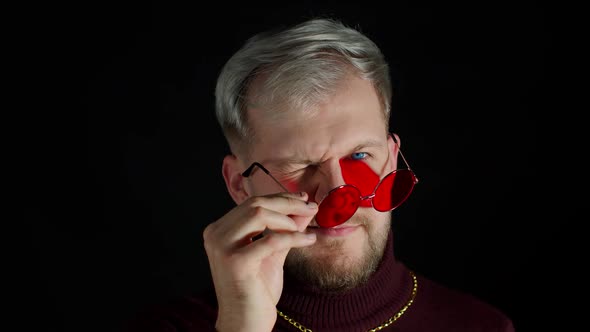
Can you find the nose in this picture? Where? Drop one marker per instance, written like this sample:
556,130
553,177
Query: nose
329,177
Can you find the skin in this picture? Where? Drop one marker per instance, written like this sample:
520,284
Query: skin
303,153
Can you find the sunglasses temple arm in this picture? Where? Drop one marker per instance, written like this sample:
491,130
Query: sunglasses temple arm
277,182
247,172
272,177
404,158
400,150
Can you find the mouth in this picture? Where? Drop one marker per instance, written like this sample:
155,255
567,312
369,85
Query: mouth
313,224
340,230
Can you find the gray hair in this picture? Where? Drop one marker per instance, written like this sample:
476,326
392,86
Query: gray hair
294,69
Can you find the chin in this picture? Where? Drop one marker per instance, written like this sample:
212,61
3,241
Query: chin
340,263
330,251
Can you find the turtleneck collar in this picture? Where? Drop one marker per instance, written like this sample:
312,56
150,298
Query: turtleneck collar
362,308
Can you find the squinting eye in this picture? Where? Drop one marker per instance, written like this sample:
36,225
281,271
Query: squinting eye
359,155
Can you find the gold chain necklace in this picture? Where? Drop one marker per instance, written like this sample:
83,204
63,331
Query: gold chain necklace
378,328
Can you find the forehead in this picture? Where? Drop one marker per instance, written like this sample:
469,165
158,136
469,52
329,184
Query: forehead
350,118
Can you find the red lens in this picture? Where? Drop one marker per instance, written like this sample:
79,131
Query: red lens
338,206
393,190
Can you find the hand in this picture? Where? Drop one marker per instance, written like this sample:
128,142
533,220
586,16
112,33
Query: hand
247,274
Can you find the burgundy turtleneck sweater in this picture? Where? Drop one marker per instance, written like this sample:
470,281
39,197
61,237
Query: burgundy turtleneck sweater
435,307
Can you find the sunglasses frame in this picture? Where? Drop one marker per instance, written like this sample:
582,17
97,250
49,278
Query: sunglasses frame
249,170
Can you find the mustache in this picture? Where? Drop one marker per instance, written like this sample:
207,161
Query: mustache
355,220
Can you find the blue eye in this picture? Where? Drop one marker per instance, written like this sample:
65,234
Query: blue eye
359,155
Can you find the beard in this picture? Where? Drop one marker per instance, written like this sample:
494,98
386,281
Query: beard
326,266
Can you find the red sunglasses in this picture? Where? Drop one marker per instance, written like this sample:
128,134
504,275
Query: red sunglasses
341,203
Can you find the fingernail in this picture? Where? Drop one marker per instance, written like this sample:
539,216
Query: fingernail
312,205
302,194
310,237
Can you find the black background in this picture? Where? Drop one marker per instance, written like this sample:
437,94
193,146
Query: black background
124,152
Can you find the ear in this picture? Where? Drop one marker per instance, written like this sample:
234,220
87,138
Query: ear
393,149
234,181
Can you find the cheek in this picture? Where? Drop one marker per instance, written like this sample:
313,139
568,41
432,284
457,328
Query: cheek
291,185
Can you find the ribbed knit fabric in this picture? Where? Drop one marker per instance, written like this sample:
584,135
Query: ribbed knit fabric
435,308
370,305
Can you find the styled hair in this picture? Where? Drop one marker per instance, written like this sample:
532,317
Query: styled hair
294,69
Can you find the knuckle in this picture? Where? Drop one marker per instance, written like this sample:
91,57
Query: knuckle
274,240
257,212
208,233
256,201
209,241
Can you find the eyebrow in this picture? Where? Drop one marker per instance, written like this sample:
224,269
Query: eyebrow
302,161
368,144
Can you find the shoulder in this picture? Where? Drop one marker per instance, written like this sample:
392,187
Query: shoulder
196,312
459,310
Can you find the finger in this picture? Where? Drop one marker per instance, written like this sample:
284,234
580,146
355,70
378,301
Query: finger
299,210
301,222
276,212
277,242
302,195
285,203
255,221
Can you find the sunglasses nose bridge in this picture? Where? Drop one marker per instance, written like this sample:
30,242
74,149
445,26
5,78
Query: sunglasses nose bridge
364,198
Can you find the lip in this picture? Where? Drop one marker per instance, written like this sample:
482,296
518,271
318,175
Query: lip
340,230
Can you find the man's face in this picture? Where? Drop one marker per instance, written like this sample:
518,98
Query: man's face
307,153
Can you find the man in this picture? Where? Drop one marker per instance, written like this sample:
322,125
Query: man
315,174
